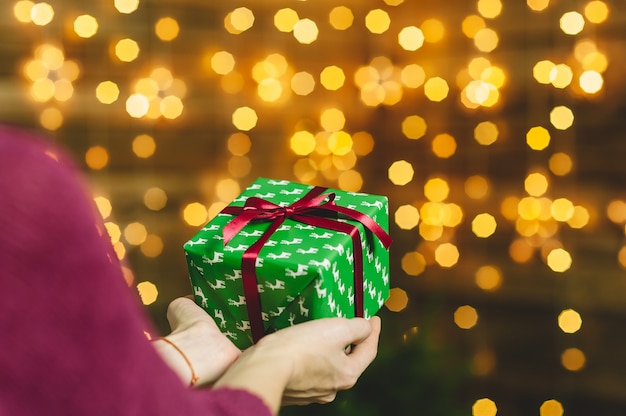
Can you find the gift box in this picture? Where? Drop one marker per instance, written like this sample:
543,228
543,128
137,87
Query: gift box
284,253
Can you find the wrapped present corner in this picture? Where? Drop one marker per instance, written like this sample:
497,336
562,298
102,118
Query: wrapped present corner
284,253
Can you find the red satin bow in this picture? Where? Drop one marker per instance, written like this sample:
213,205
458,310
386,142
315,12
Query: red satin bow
316,209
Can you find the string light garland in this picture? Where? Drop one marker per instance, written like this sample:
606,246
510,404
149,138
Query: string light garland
414,102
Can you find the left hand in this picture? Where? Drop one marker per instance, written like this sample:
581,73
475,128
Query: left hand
196,334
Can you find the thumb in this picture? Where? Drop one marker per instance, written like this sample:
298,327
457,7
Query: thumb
182,312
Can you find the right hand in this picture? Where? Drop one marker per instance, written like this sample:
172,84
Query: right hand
307,362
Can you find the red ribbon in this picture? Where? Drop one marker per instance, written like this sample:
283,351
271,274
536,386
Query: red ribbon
316,209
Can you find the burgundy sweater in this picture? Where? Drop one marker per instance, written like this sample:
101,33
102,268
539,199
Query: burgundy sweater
72,336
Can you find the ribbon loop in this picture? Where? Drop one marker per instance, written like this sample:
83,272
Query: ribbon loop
316,209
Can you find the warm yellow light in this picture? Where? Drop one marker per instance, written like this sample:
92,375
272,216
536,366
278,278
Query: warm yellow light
616,211
486,40
332,78
126,6
436,190
436,89
486,133
413,263
412,76
559,260
472,24
537,5
21,10
97,157
596,11
144,146
107,92
538,138
398,299
484,407
407,217
465,317
239,166
171,107
51,118
414,127
85,26
484,225
227,189
542,71
137,105
270,90
488,278
529,208
561,76
152,247
341,18
489,9
350,181
135,233
400,172
433,30
570,321
444,145
477,187
560,164
332,119
222,62
63,90
562,209
41,13
114,231
377,21
411,38
195,214
148,292
340,143
238,144
126,50
285,19
167,29
572,359
536,184
241,19
572,23
36,70
302,142
155,199
561,117
305,31
42,90
302,83
244,118
521,251
591,82
104,206
447,255
551,408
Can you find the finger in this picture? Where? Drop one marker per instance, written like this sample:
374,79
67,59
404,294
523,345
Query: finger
184,311
365,351
352,331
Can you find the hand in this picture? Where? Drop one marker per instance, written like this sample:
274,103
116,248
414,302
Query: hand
315,381
193,331
307,362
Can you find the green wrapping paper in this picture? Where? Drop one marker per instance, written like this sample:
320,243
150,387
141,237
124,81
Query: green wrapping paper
303,272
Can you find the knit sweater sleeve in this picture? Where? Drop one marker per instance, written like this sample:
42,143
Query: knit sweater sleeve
73,334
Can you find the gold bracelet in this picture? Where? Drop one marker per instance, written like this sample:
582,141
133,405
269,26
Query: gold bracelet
194,377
